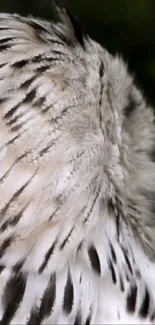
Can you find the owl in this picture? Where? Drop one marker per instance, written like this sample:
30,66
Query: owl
77,180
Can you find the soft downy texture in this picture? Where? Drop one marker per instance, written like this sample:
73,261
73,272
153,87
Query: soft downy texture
77,175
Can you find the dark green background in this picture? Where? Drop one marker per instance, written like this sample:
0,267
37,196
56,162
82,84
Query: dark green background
124,26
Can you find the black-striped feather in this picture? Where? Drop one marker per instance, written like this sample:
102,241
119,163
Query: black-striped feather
68,295
12,297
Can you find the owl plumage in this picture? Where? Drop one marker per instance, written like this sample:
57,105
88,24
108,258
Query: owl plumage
77,175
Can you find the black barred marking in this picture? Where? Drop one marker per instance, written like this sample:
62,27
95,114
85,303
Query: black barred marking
39,29
7,242
48,298
78,319
11,111
2,267
5,175
127,277
2,65
28,99
27,83
14,120
114,210
13,139
68,295
101,71
20,64
113,274
131,299
62,37
16,161
133,258
78,29
44,151
14,197
37,58
5,40
100,101
42,68
12,297
66,239
110,206
92,207
12,222
60,53
5,28
94,259
113,254
118,208
3,99
47,302
121,283
4,47
54,213
36,26
30,96
17,127
79,246
145,305
34,317
88,320
47,257
131,106
118,224
127,260
18,266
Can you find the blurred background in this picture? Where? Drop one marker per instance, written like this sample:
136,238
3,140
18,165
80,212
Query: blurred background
122,26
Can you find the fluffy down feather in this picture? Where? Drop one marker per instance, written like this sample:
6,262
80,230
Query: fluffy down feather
77,175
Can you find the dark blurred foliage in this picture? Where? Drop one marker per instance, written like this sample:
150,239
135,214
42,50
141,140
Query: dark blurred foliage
122,26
